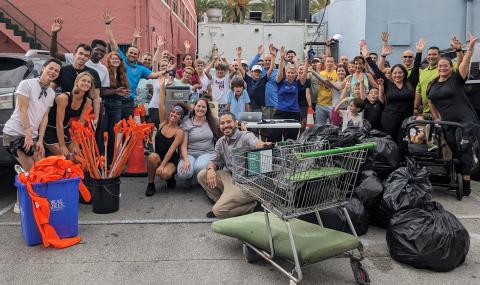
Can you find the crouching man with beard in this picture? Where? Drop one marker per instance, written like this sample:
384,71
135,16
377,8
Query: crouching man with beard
217,181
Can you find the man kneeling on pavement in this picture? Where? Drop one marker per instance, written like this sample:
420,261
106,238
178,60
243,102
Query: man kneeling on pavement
217,181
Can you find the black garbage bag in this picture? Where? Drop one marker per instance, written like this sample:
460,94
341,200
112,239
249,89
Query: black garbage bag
406,188
317,133
385,157
377,217
370,188
428,238
334,218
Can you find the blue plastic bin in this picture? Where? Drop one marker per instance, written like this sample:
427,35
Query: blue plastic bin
63,198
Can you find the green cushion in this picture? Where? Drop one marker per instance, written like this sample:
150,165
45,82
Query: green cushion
316,173
313,242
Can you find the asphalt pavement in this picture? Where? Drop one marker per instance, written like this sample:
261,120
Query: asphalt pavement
166,239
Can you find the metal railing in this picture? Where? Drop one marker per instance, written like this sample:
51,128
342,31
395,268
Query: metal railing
17,17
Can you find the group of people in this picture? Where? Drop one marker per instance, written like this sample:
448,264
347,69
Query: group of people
192,143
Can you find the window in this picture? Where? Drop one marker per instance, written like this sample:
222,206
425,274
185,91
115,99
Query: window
174,5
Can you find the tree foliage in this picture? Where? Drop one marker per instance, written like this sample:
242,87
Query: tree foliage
317,5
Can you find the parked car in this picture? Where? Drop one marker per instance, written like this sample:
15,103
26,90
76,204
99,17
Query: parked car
14,67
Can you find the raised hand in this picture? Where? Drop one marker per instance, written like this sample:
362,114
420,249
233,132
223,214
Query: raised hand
420,44
387,50
380,82
472,41
384,37
364,48
238,51
161,41
187,44
107,18
273,50
137,33
57,25
455,43
260,49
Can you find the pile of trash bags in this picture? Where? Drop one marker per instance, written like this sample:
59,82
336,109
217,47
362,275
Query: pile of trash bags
420,232
428,237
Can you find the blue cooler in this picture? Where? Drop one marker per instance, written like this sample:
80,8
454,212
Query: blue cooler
63,198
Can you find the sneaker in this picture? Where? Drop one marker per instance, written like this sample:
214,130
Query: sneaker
211,215
150,190
171,183
16,208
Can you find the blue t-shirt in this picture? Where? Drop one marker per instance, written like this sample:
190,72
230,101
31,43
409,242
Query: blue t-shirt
271,90
237,105
256,90
135,72
288,96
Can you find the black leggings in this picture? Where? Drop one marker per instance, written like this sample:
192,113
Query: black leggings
276,134
464,153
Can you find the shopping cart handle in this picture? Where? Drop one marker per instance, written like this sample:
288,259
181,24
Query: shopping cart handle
339,150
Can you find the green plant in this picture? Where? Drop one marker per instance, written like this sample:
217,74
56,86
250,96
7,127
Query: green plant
317,5
219,4
235,12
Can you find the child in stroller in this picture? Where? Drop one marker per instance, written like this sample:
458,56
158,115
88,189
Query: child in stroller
426,143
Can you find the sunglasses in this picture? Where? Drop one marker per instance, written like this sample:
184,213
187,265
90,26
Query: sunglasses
407,56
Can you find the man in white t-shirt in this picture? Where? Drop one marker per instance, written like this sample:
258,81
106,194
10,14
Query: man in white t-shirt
99,49
23,133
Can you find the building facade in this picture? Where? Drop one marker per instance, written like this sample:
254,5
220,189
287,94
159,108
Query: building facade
406,21
22,20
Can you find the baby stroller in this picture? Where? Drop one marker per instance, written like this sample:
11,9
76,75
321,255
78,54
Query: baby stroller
425,143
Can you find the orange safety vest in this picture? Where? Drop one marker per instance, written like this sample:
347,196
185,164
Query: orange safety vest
51,169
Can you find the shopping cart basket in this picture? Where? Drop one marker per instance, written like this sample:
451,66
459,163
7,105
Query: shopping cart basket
291,181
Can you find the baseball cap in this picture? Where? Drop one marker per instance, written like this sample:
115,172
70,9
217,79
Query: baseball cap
256,67
244,62
315,59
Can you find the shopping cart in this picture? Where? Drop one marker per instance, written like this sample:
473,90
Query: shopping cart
290,181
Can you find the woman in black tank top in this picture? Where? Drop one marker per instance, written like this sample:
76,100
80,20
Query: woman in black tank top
163,162
65,107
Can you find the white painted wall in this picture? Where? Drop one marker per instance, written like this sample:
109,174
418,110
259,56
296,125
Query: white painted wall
228,36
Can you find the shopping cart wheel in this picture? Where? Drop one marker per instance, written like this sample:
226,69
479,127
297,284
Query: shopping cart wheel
359,273
459,190
250,255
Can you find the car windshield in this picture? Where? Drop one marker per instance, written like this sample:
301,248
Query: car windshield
12,71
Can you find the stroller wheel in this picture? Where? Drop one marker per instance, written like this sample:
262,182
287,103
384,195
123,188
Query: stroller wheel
250,255
459,190
359,273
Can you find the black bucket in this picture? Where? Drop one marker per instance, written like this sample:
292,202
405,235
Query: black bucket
87,181
106,195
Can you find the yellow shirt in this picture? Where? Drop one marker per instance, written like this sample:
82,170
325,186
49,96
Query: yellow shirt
325,94
426,76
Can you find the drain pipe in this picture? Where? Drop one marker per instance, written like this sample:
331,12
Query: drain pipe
468,18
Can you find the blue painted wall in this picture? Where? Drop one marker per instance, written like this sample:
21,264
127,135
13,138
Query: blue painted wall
436,20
